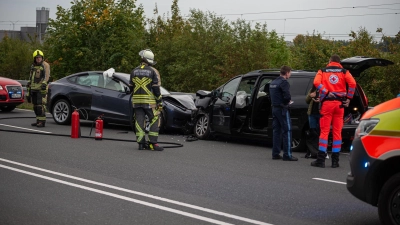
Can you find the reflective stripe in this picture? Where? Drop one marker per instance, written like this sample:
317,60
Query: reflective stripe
319,86
338,142
139,132
142,83
323,141
352,89
289,133
339,94
385,133
322,148
153,134
335,149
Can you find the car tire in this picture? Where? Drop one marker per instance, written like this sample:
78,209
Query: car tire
202,127
299,144
7,108
62,112
389,202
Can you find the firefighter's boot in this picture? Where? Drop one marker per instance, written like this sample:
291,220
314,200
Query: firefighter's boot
141,146
155,147
41,124
35,124
335,159
320,162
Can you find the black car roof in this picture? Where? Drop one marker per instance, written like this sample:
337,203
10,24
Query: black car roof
275,72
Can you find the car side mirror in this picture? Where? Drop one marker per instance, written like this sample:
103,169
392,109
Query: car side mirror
215,93
127,90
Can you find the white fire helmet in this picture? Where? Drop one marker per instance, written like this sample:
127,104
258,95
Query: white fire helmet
148,56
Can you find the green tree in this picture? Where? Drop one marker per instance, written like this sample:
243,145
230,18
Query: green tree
16,57
95,35
376,81
203,51
312,52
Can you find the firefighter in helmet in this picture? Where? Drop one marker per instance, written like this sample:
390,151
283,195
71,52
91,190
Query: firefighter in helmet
145,85
37,87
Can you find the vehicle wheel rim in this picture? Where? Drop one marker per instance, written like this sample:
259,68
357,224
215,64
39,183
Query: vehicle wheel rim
61,112
395,206
295,142
201,125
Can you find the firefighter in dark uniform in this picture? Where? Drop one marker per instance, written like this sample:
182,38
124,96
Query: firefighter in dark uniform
145,85
331,83
37,87
281,124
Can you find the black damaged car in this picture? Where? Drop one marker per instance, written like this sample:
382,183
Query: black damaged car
242,107
95,94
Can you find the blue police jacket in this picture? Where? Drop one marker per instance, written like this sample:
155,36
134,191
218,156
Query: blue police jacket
279,92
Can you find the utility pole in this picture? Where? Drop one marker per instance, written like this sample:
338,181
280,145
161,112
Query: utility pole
13,23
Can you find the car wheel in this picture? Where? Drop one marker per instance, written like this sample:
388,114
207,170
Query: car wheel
62,112
202,127
7,108
389,201
298,144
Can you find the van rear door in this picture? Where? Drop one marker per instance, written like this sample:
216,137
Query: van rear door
357,64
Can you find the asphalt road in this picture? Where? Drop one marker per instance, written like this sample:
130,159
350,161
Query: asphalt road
48,179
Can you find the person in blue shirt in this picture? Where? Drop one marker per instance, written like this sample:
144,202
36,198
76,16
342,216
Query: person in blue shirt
281,124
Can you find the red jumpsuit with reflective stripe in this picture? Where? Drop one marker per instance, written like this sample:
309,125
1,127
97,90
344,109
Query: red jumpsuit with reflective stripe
333,79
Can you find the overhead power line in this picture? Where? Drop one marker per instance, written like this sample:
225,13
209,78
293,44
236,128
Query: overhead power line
306,10
322,17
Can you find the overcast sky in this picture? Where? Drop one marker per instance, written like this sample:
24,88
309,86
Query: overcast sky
286,17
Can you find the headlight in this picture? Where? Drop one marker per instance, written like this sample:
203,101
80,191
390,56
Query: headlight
1,88
365,127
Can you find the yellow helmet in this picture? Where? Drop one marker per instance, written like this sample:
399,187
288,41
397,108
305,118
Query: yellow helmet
38,53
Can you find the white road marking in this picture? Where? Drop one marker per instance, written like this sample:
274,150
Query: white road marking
333,181
118,196
40,131
141,194
29,110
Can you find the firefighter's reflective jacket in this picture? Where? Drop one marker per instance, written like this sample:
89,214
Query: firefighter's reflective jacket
39,74
146,82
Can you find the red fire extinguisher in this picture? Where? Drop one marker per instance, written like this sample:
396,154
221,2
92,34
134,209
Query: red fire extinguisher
75,125
99,129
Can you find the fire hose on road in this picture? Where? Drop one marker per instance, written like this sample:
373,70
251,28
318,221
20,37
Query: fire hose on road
169,144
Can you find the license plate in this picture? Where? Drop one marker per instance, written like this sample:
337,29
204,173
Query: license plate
15,95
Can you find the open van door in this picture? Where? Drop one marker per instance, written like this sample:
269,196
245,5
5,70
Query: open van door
223,108
357,64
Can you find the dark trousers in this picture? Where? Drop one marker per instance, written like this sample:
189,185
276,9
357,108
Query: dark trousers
38,106
140,124
282,132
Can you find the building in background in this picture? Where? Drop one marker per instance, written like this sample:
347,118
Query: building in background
26,33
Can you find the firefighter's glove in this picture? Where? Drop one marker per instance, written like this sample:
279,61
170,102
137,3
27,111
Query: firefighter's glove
159,106
43,86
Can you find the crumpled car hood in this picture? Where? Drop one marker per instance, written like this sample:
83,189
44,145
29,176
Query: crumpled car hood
185,100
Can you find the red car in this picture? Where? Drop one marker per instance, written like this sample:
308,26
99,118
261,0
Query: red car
11,94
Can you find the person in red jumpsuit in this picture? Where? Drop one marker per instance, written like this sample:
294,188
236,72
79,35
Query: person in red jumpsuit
331,83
